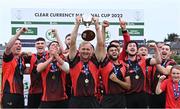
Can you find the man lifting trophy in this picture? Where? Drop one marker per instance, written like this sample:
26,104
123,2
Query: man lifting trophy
87,35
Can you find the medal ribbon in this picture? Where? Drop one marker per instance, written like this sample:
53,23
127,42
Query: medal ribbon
20,65
54,66
116,70
176,92
86,71
136,67
164,63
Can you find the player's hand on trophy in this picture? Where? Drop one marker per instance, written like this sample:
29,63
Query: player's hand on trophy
95,20
78,20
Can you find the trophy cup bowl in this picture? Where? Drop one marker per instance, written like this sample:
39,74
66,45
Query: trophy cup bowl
87,35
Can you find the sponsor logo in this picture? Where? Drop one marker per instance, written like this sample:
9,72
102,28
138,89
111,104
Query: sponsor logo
107,35
49,35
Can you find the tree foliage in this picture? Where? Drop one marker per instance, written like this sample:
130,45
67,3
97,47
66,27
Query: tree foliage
150,41
176,58
171,37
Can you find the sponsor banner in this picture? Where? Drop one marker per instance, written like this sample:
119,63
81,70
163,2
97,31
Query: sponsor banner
31,31
133,31
41,21
68,23
28,42
68,15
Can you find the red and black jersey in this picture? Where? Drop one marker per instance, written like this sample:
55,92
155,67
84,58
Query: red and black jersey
126,39
149,72
137,72
107,68
53,81
84,76
156,74
12,74
36,81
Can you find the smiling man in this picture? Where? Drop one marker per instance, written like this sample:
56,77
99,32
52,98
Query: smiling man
53,71
137,71
35,91
12,73
84,69
158,101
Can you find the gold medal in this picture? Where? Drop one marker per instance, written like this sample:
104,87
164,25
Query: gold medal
86,81
137,77
53,77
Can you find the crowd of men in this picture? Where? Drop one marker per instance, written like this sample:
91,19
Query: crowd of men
90,76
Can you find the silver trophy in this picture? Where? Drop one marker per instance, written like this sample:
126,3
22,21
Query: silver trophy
87,34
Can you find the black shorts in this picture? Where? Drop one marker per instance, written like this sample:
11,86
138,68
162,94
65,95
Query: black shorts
13,101
34,100
113,101
83,102
136,100
54,104
157,101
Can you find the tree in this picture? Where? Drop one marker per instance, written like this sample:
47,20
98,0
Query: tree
150,41
176,58
171,37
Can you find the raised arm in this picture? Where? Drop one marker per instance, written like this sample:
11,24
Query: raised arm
100,44
56,35
73,48
158,87
163,70
105,24
13,40
126,38
157,59
166,69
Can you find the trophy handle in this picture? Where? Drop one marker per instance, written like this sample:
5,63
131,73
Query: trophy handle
87,23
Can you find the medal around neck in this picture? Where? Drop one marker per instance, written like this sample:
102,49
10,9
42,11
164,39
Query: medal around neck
86,81
137,77
53,77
